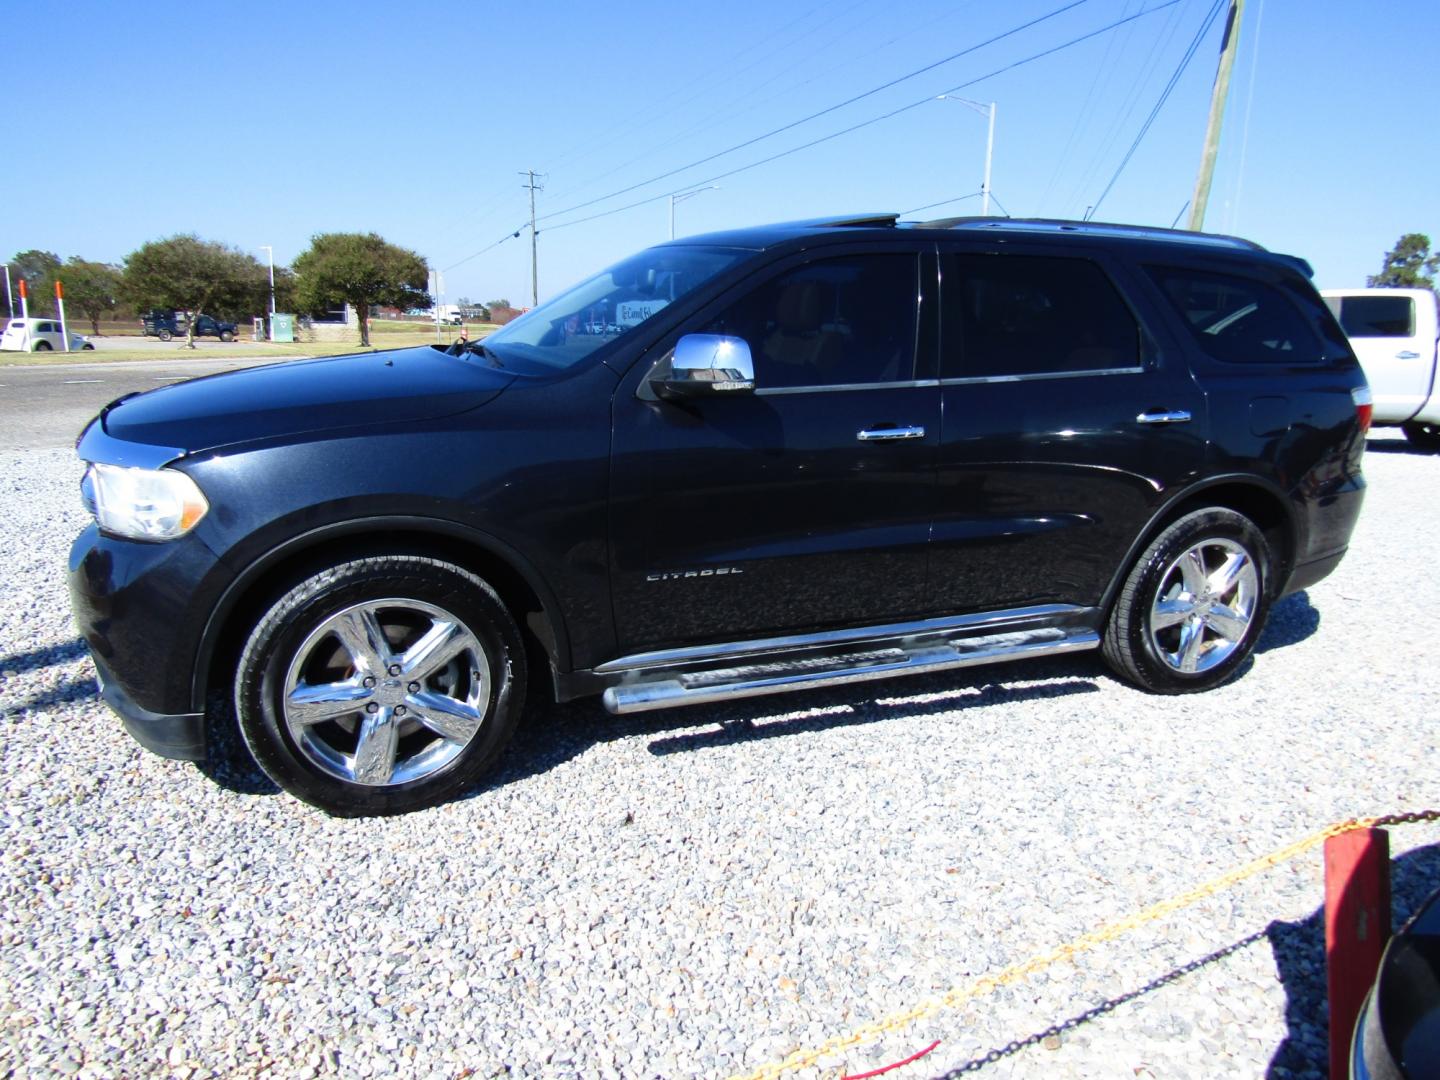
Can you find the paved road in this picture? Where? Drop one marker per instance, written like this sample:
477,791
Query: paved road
45,406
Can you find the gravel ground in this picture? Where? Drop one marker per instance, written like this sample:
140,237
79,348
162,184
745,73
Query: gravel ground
699,893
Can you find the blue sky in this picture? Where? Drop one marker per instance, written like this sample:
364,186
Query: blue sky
414,120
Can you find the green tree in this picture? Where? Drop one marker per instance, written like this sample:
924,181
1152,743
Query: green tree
362,270
188,274
1408,265
92,288
36,269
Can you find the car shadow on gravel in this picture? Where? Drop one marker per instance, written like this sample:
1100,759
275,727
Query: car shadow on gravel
46,656
1291,621
1299,949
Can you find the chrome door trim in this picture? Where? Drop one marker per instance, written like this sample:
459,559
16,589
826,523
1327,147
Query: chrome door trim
967,380
904,384
1172,416
895,434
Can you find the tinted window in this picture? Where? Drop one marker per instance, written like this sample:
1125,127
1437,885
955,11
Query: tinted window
1025,315
830,323
44,328
1375,316
1240,320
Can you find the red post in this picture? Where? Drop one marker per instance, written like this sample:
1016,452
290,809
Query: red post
1357,926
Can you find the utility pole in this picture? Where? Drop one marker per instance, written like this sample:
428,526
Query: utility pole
534,247
1229,46
989,109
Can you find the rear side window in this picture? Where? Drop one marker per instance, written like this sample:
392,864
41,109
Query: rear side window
1374,316
1240,320
1022,315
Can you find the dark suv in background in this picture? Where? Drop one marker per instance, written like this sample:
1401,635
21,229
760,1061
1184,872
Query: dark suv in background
168,324
762,460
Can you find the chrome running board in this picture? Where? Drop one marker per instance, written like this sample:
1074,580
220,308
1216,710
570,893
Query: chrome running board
779,665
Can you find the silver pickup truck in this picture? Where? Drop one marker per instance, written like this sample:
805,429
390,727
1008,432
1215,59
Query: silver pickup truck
1394,333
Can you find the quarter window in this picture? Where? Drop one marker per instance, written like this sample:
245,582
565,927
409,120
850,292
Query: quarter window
834,322
1014,315
1374,316
1240,320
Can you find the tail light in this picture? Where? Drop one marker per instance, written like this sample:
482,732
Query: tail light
1364,406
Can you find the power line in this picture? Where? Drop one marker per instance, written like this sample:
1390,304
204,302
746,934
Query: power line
894,112
826,111
1160,104
942,202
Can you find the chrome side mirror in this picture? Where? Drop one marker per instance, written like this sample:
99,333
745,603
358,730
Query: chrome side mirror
707,364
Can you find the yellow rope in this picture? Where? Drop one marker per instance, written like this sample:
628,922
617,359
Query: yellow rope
1015,972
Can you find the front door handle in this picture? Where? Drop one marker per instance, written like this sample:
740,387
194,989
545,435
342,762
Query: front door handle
890,434
1407,355
1173,416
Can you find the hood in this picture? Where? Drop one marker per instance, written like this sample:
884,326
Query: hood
300,396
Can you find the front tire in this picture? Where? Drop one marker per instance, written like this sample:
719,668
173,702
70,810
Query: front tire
163,335
1422,436
1193,605
381,685
226,335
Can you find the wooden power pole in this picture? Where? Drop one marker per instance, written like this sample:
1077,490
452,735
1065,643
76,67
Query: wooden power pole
1228,47
534,247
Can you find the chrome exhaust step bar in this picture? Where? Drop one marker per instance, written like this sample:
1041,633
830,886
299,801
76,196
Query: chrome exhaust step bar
665,687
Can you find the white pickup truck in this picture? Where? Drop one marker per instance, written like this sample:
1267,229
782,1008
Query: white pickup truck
1395,334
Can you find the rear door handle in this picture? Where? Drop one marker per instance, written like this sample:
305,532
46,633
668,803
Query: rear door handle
890,434
1173,416
1407,355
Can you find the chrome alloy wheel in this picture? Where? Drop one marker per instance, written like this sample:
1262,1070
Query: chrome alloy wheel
386,692
1205,604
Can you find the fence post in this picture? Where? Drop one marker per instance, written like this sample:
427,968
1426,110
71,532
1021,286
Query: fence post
1357,927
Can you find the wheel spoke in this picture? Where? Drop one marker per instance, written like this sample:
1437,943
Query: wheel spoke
359,631
454,720
1229,574
1192,640
1228,623
1168,613
375,750
309,705
440,644
1192,569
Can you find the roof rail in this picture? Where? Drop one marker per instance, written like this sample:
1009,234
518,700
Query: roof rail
871,220
1090,228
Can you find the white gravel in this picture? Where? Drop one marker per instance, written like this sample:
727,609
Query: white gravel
701,892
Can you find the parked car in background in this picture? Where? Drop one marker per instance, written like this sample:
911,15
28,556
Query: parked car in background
40,335
1396,335
803,455
168,324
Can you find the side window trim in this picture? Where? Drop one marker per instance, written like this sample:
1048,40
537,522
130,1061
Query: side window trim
1038,376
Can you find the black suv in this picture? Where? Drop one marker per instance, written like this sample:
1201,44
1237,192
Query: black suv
761,460
167,324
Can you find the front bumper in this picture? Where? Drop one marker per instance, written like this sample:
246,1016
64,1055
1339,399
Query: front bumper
172,735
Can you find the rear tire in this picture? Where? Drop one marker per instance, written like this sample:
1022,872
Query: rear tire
381,685
42,346
1421,435
1193,605
163,335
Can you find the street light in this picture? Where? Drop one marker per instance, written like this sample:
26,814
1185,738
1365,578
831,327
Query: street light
681,197
980,107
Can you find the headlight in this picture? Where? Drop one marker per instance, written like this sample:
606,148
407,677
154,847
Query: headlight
143,504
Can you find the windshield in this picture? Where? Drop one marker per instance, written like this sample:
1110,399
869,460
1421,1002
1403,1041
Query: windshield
563,331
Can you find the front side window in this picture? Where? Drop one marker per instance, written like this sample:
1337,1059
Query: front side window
1023,315
1374,316
1240,320
563,331
834,322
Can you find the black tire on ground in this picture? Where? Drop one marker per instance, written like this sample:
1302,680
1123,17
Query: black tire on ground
341,705
89,346
1421,435
226,335
1193,605
42,346
163,335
